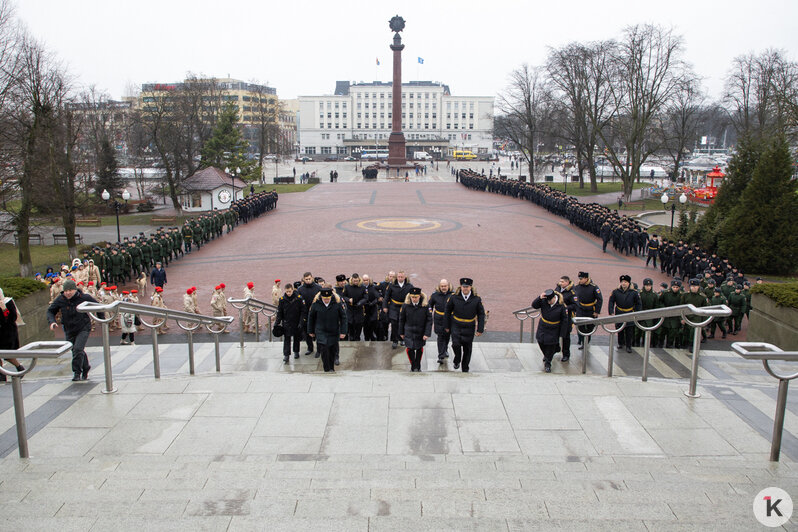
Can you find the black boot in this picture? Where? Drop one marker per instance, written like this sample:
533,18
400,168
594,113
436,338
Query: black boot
76,377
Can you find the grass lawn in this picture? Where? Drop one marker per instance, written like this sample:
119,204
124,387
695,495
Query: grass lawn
649,204
284,189
603,188
136,219
42,256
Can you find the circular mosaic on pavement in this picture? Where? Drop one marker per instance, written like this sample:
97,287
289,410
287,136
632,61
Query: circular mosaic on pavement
398,225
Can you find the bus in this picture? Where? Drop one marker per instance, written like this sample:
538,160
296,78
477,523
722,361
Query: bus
371,155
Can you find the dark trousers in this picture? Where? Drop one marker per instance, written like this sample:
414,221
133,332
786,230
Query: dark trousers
443,344
370,330
414,356
328,353
652,257
80,361
309,341
462,353
627,335
583,328
394,330
354,331
566,345
719,324
548,351
290,340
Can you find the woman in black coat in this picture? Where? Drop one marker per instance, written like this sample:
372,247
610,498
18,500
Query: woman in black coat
437,304
415,326
9,336
553,324
291,312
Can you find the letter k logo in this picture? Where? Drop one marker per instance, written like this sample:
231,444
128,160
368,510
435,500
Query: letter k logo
772,506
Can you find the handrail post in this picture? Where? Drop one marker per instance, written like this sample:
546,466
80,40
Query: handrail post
778,422
257,327
694,366
646,353
521,332
241,327
109,376
218,355
611,355
190,352
532,330
585,352
19,415
269,317
156,355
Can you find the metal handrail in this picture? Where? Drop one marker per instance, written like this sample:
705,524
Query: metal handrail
767,352
34,351
522,315
660,314
257,307
214,325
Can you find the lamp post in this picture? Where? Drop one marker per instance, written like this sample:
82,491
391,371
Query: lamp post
233,179
665,198
117,205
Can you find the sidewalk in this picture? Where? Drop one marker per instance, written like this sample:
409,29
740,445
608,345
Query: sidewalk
263,446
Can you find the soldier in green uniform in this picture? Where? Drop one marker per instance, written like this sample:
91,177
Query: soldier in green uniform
696,298
747,294
672,325
737,303
188,236
197,233
728,287
649,300
117,263
719,322
146,255
128,265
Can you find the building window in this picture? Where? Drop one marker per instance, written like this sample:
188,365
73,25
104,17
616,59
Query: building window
310,150
359,126
326,150
329,115
448,126
470,126
471,116
321,125
341,150
329,125
336,125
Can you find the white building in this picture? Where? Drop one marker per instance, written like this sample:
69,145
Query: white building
209,189
358,116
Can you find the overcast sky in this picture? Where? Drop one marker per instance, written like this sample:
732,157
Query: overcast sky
302,47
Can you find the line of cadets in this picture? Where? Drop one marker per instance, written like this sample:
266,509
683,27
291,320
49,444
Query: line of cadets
712,280
392,310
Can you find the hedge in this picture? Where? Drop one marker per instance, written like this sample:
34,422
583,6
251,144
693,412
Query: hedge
784,294
19,287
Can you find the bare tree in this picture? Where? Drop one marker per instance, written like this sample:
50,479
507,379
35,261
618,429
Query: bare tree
156,119
647,72
525,107
582,77
266,112
681,121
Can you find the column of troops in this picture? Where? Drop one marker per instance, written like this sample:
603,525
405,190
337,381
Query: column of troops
711,279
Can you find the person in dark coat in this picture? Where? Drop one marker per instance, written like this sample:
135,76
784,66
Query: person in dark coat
464,311
415,326
308,290
327,324
9,335
371,310
77,325
565,287
355,295
588,299
437,304
624,300
158,275
291,315
554,324
395,296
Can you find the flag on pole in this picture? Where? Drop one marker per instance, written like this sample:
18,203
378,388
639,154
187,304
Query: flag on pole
378,61
420,61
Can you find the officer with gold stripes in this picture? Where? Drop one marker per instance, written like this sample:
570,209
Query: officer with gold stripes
437,304
463,315
395,295
624,300
588,299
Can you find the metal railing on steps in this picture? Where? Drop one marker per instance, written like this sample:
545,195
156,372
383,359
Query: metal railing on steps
256,307
185,320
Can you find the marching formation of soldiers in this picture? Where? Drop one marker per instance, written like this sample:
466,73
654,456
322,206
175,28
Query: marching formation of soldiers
392,310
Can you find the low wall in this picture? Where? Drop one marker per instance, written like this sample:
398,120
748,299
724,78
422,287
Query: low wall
34,312
773,324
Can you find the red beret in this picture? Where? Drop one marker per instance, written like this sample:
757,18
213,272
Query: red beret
91,283
193,288
188,291
134,291
125,292
250,284
276,281
102,283
158,289
222,285
217,287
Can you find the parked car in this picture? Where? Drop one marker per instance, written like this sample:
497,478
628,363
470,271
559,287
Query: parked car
350,158
303,159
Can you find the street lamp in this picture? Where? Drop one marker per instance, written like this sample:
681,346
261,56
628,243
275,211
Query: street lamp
117,205
233,179
665,198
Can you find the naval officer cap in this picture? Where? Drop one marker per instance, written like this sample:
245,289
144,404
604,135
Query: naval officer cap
465,281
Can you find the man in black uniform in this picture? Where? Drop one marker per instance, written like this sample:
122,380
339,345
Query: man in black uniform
395,296
566,289
327,323
355,296
308,291
463,309
624,300
437,304
588,299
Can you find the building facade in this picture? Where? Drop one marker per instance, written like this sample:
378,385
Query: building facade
357,117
